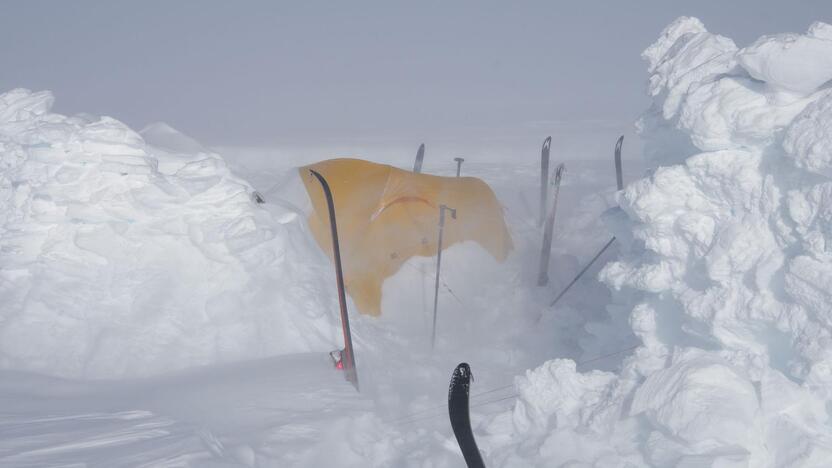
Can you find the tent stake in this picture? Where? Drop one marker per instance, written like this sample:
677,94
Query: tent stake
348,357
442,209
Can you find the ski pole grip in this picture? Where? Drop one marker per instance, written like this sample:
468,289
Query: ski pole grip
442,209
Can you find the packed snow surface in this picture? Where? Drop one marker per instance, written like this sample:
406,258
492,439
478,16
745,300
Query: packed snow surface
130,254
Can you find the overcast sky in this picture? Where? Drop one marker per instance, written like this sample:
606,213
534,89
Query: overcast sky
260,73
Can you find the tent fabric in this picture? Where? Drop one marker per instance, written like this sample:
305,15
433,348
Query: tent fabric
387,215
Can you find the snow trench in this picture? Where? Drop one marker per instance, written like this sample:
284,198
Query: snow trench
130,254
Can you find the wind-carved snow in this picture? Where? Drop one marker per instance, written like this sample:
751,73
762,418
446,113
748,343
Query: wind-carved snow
120,258
725,272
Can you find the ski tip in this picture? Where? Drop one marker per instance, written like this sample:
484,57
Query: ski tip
559,171
619,143
547,143
463,370
316,174
461,376
420,155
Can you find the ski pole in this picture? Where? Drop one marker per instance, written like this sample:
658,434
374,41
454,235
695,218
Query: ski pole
619,176
548,232
420,155
544,177
581,273
442,209
458,165
348,359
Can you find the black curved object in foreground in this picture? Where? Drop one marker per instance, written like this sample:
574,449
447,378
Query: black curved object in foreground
460,419
347,357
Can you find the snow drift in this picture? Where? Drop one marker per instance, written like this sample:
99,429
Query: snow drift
118,257
726,272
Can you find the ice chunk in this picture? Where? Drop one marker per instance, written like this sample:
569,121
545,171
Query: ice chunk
162,135
22,105
808,140
700,402
791,62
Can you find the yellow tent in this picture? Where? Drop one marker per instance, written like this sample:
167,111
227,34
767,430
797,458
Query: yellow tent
386,215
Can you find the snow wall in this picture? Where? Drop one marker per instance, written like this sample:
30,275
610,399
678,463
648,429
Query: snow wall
123,255
725,273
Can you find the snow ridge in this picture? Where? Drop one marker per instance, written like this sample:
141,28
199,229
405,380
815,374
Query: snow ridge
726,272
119,258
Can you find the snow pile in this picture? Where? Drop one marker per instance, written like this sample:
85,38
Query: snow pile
726,274
122,258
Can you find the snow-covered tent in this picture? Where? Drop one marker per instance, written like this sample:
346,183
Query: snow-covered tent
387,215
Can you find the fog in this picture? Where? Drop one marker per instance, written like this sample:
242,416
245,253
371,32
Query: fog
471,77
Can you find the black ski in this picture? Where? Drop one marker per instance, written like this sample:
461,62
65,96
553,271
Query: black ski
548,232
544,177
346,357
619,175
420,156
460,419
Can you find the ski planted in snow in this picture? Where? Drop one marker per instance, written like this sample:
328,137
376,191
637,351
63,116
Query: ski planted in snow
548,232
619,182
458,393
344,358
544,177
619,175
420,156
